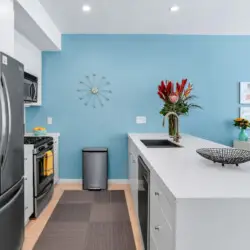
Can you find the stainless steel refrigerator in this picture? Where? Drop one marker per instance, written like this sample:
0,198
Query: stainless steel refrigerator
11,154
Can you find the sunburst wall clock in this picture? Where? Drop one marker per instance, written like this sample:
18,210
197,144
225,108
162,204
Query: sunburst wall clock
94,90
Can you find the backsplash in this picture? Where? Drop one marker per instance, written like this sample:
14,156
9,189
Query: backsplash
135,65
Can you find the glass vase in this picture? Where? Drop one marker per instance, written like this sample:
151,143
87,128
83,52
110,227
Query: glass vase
243,136
172,126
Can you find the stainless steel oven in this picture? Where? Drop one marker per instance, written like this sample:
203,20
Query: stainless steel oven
144,201
43,180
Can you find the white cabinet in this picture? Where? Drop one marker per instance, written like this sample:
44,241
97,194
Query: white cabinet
7,27
56,159
162,215
242,145
133,174
152,244
28,182
200,218
31,58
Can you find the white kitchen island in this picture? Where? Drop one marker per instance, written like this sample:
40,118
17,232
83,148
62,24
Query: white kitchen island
194,203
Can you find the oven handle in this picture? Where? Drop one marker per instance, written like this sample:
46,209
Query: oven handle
46,190
42,156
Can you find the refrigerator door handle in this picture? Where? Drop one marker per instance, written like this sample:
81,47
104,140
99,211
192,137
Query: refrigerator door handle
4,85
13,199
3,122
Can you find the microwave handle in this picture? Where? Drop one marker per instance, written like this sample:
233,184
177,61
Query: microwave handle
33,90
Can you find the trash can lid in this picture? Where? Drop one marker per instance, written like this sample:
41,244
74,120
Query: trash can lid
95,150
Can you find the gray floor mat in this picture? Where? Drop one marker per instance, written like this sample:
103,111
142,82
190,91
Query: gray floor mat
88,220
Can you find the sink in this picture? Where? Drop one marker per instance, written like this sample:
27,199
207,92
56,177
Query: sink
159,144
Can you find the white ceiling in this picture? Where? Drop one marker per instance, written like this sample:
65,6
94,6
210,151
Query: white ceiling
151,16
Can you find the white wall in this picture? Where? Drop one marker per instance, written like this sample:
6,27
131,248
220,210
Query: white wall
7,27
31,57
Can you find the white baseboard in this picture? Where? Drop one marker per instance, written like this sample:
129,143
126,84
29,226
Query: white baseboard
79,181
118,181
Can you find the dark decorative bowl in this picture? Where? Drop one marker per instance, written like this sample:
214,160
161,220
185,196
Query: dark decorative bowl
225,155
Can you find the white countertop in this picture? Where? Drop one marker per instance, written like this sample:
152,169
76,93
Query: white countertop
48,134
188,175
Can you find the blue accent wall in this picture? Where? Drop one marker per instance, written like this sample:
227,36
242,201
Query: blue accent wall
135,65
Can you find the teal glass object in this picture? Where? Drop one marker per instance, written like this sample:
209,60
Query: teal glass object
243,136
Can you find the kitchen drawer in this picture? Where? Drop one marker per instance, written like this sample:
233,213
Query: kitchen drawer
167,207
160,229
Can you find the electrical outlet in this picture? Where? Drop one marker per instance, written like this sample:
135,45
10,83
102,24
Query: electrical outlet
49,120
141,119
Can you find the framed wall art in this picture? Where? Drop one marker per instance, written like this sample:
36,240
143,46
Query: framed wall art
245,113
245,92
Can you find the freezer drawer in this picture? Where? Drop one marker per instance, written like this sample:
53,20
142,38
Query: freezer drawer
12,218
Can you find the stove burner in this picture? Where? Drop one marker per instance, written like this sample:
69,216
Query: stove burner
37,141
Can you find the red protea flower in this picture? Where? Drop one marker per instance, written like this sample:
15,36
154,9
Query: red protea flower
161,95
162,90
169,88
178,87
174,97
182,87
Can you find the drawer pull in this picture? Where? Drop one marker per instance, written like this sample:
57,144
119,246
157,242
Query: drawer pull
157,194
26,208
157,228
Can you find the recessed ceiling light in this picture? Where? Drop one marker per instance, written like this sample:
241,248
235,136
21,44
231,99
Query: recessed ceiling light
174,8
86,8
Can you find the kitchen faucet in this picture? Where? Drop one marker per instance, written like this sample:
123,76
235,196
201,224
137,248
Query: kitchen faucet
177,135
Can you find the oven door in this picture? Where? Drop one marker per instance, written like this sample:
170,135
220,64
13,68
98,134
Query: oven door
43,199
41,176
144,201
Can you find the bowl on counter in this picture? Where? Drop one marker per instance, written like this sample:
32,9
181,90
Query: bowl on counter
225,155
40,132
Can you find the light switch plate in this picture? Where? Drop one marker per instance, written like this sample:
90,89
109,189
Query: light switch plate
141,119
49,120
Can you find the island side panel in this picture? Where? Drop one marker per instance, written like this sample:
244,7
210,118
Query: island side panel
213,224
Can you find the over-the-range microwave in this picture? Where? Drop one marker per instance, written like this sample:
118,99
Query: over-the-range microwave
30,88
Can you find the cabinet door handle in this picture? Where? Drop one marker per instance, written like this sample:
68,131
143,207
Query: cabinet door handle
25,178
157,228
26,208
157,193
25,159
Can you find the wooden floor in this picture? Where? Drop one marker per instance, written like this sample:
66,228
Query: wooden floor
35,227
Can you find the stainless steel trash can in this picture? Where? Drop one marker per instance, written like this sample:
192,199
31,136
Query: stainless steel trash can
95,168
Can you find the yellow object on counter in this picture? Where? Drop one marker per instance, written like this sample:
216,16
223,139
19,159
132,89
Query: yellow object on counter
39,129
48,163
